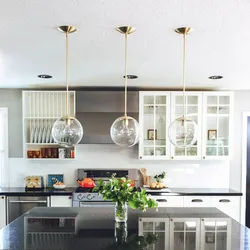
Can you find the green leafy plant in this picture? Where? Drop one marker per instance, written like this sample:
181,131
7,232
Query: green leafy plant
160,177
120,190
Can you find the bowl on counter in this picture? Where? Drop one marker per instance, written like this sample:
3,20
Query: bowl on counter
59,186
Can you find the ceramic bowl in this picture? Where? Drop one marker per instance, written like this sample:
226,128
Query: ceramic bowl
59,186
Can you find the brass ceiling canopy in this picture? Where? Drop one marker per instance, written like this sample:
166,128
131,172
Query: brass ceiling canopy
184,30
67,29
126,29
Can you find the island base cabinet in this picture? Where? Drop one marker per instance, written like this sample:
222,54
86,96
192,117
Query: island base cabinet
2,211
61,201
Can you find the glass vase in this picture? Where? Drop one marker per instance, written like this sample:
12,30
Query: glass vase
121,212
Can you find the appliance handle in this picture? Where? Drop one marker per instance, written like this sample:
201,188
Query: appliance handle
27,201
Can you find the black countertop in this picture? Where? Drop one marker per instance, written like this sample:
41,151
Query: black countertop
20,191
95,228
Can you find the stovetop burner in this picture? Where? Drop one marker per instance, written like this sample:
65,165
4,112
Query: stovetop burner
83,190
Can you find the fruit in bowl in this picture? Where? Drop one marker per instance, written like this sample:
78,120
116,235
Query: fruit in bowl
59,185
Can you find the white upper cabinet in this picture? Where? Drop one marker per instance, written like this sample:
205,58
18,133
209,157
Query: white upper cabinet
192,109
154,118
211,111
217,125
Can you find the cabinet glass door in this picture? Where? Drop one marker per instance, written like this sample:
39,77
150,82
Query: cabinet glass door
158,227
153,123
215,234
192,109
184,234
216,120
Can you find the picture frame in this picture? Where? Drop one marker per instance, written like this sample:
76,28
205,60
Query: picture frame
212,134
152,134
210,237
53,178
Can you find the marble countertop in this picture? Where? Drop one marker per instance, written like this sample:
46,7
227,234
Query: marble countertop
95,228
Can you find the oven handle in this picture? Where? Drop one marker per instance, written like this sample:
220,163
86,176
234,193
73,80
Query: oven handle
27,201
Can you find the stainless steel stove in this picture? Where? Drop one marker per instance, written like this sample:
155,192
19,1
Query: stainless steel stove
85,197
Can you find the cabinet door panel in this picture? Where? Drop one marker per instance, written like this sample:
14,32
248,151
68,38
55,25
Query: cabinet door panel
2,211
61,201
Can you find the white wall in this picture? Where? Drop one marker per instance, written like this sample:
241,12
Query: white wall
195,174
241,104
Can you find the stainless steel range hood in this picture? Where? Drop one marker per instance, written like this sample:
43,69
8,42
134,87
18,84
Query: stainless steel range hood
97,110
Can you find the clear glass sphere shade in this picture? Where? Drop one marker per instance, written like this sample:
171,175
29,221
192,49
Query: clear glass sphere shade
125,131
183,132
67,131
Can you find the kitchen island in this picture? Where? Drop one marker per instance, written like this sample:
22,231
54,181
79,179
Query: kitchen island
95,228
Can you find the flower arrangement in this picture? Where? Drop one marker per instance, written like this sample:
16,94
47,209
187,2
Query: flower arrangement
122,191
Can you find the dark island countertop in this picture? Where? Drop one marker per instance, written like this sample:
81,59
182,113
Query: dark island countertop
20,191
95,228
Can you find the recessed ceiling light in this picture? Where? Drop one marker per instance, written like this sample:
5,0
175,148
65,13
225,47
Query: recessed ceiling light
44,76
215,77
131,76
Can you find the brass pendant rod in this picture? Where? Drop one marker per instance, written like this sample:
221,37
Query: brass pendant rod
126,73
67,83
184,73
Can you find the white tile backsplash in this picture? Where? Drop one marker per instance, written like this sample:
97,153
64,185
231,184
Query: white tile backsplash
189,174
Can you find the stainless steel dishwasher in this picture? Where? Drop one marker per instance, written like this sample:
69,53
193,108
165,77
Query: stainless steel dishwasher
18,205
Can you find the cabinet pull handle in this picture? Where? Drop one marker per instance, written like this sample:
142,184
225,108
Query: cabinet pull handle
70,197
197,200
224,200
161,200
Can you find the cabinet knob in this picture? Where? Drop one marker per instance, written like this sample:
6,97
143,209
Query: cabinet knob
70,197
204,157
2,197
172,157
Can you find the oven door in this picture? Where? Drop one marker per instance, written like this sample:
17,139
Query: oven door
96,204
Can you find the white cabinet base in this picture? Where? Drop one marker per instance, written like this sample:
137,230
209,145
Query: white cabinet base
61,201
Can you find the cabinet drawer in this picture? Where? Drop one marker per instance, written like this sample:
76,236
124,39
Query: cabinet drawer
229,205
61,201
197,201
168,201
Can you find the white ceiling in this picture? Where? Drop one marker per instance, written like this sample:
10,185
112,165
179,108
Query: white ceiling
30,43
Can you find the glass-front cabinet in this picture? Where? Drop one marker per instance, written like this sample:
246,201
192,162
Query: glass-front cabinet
217,124
211,111
216,234
158,227
154,120
184,234
192,109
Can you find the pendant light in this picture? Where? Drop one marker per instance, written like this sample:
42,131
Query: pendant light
125,129
182,132
67,131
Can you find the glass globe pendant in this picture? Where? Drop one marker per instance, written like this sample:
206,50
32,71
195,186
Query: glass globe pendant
183,131
125,130
67,131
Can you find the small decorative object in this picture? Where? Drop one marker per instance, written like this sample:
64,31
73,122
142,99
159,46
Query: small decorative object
152,134
210,237
121,191
158,184
212,134
34,154
54,178
61,153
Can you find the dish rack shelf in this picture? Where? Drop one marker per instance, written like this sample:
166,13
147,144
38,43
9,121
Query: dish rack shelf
40,110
